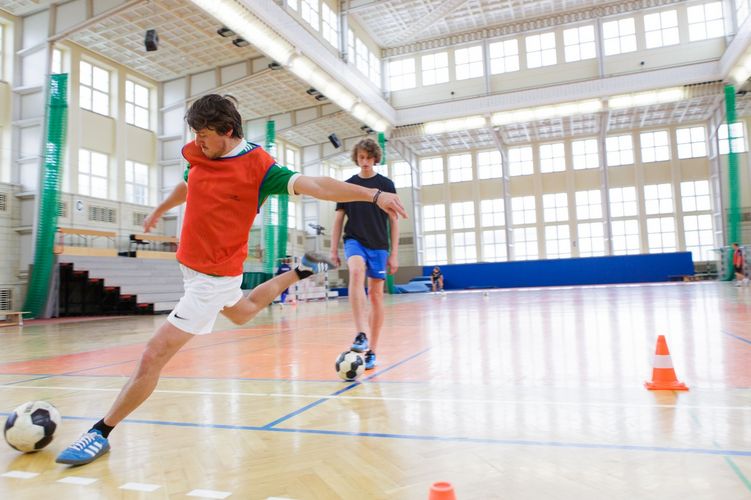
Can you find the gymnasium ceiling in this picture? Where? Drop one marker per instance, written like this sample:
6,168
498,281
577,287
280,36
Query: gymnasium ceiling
189,44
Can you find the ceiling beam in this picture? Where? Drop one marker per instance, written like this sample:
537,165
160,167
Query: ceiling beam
562,93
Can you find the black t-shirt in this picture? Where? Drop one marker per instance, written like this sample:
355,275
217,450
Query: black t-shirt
367,223
436,274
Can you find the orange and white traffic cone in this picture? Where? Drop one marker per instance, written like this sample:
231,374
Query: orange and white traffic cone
442,491
663,374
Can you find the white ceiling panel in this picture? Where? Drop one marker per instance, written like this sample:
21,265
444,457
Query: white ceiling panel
317,131
23,7
188,42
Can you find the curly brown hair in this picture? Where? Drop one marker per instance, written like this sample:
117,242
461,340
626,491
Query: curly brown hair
369,146
215,112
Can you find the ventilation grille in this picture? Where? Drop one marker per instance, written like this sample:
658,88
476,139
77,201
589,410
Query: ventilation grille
5,299
102,214
407,240
3,202
62,209
138,218
327,243
299,239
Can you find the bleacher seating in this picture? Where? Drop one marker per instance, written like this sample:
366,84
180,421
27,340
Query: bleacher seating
118,285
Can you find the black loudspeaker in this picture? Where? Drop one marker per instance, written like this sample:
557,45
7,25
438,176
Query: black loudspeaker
335,140
151,41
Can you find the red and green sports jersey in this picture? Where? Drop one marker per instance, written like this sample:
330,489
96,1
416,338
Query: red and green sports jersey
224,196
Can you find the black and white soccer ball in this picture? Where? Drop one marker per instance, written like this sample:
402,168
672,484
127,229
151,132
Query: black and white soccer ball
349,365
31,426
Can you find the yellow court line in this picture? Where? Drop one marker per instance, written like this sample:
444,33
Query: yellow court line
387,398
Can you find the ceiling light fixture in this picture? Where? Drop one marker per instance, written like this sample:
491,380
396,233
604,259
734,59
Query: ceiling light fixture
225,32
240,42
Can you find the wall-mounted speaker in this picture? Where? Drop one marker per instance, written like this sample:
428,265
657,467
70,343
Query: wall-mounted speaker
151,41
335,140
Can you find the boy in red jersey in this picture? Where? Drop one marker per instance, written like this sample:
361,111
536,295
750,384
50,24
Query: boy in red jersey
226,182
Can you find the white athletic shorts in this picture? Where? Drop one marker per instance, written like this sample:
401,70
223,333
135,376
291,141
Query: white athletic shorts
204,297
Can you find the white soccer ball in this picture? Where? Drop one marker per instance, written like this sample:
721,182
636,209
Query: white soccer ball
31,426
349,365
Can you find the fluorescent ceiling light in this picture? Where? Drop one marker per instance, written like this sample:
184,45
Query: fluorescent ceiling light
456,124
246,25
646,98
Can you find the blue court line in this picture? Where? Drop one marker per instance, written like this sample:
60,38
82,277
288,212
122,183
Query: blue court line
444,439
307,407
736,337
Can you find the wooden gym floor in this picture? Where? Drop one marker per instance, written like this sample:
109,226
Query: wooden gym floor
517,394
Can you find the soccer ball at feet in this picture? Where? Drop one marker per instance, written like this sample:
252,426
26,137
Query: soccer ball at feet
31,426
349,365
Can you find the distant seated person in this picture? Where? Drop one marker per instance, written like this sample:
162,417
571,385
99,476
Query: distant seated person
436,278
283,268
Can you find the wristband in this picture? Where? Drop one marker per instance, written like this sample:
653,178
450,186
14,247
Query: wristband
375,197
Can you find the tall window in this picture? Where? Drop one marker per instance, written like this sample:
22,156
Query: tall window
591,239
552,158
361,56
431,171
695,196
697,230
625,236
520,161
2,53
589,204
494,245
655,146
94,90
329,25
434,217
492,213
402,174
435,68
705,21
460,168
691,142
579,43
349,172
557,241
504,56
375,70
136,183
136,104
468,62
661,29
402,74
489,165
291,214
92,173
623,201
525,243
523,210
541,50
661,234
555,207
309,12
619,37
585,154
465,247
463,215
739,138
435,249
658,199
620,150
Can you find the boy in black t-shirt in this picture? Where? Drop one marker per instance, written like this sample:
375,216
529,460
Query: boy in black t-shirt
366,248
436,278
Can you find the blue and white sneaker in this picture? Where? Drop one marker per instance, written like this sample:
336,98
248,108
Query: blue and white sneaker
361,343
88,448
314,263
370,360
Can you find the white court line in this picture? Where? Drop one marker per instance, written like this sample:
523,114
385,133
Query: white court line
19,474
382,398
209,494
140,487
83,481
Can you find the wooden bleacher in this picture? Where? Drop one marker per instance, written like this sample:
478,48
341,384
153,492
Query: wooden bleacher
79,242
150,241
12,318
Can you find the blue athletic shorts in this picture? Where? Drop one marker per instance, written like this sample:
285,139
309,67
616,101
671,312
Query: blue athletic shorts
375,260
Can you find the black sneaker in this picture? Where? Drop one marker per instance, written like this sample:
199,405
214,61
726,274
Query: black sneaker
361,343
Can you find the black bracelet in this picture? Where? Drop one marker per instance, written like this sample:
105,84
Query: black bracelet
375,196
